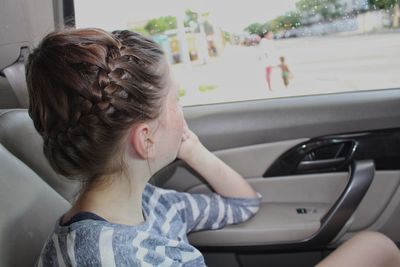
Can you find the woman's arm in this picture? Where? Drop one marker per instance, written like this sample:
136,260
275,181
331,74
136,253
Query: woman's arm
222,178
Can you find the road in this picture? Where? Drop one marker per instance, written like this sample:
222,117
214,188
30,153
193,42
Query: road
319,64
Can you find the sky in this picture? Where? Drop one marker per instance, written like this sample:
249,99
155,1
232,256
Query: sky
233,15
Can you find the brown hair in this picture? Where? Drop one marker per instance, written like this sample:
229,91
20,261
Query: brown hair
86,88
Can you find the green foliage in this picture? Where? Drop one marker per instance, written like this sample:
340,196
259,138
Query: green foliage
182,92
193,18
310,11
227,36
305,10
290,20
190,17
206,87
327,9
256,28
382,4
160,25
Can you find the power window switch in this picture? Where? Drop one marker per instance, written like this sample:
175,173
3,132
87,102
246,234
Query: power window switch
301,211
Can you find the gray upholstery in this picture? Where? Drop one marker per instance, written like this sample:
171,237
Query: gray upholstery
7,96
18,135
29,208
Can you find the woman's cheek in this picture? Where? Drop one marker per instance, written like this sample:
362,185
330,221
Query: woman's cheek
181,118
176,127
179,127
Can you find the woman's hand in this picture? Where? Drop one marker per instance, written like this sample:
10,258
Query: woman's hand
222,178
190,143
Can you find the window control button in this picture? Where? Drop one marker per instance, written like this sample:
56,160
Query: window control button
301,211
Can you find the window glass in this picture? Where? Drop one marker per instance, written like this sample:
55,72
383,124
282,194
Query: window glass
223,51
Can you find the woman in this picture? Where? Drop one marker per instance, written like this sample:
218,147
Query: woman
107,108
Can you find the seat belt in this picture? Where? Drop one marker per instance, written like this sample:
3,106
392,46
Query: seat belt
15,74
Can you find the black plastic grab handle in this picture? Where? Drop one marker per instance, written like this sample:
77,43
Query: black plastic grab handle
307,165
361,175
297,160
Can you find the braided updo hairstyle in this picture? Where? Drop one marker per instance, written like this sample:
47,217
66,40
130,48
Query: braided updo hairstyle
87,87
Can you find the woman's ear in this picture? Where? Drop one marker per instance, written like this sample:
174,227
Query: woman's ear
141,141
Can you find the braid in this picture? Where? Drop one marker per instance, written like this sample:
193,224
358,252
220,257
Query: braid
87,87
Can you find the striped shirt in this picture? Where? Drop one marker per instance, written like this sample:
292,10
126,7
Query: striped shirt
161,240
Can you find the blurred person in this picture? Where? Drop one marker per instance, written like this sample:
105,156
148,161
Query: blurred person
286,74
268,55
212,49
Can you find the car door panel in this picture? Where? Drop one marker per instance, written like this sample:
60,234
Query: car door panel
253,136
378,196
279,221
291,210
232,125
258,158
275,223
388,221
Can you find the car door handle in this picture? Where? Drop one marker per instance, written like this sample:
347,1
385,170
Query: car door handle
315,156
307,165
361,176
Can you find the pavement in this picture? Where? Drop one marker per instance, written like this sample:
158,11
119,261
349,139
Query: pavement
326,64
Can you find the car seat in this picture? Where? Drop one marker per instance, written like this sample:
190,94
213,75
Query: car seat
29,208
19,136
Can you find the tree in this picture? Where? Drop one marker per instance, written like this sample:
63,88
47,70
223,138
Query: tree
382,4
191,17
290,20
390,5
256,28
160,25
227,37
324,9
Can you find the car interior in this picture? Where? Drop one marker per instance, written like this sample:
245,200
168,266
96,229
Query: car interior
327,166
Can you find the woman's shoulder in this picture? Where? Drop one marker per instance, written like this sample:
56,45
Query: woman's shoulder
91,231
153,191
96,233
98,243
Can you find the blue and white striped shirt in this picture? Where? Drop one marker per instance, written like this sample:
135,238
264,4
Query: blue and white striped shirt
161,240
